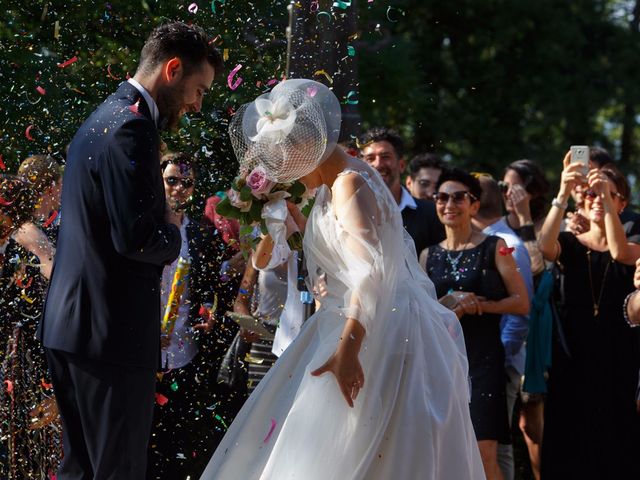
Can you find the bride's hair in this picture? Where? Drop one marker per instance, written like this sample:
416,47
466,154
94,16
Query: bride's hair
288,131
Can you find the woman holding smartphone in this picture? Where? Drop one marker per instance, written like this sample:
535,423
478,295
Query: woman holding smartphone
590,411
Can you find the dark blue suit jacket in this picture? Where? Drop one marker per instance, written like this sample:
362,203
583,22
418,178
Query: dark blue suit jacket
104,296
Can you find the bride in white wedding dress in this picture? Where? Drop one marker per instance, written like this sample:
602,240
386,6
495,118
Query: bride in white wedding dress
375,386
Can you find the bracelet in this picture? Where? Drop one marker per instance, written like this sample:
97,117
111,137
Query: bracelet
624,310
527,233
558,204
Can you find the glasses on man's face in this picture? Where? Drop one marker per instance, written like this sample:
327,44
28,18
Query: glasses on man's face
457,197
592,194
174,181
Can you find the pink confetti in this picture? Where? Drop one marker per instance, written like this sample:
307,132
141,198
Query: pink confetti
5,203
311,91
134,107
68,62
193,8
27,133
10,386
161,399
273,427
273,81
41,90
233,85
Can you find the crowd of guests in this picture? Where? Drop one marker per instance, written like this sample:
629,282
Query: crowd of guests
545,292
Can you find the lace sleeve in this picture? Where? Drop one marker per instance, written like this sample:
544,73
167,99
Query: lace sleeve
359,219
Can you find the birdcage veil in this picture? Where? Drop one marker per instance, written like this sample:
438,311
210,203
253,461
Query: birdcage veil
288,131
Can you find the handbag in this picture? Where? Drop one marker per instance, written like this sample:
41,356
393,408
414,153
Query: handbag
233,369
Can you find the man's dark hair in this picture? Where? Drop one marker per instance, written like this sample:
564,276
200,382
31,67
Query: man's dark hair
455,174
187,42
182,160
424,160
600,157
491,202
381,134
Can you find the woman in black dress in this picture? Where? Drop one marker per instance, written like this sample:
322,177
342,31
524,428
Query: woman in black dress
592,427
476,276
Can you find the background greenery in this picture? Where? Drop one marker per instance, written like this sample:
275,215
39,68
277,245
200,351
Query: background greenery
481,82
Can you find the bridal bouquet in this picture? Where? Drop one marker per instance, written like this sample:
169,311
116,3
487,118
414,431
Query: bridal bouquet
255,201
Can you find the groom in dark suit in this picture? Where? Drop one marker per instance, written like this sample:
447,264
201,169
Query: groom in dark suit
101,326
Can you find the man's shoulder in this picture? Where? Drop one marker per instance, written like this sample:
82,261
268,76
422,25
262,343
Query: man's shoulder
424,208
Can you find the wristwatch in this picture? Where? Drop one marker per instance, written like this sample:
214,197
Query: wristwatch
558,204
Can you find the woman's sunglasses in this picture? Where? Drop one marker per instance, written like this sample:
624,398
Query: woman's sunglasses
173,181
592,194
457,197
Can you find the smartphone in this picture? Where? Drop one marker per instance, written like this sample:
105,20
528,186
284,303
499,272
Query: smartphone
580,154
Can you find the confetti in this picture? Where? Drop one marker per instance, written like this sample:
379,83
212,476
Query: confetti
66,63
350,100
315,6
351,51
56,29
2,165
232,73
161,399
193,8
342,4
45,385
27,133
323,13
389,10
174,386
9,385
22,285
322,72
504,251
273,427
213,4
134,107
311,91
111,75
41,90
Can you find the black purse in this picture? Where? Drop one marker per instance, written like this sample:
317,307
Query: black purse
233,369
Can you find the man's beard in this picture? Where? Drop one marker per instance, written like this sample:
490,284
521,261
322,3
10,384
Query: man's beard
169,103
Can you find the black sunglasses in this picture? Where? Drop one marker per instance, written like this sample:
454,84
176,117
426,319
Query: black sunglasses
457,197
173,181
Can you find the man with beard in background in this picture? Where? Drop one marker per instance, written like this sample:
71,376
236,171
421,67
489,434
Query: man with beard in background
100,326
383,149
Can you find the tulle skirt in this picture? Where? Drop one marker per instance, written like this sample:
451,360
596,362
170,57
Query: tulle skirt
410,421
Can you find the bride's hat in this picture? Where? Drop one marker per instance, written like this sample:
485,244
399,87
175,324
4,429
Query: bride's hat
288,131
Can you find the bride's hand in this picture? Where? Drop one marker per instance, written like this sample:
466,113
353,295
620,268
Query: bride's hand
345,366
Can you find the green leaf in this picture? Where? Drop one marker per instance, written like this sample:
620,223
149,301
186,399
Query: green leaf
263,227
297,189
256,211
306,211
224,207
245,194
246,230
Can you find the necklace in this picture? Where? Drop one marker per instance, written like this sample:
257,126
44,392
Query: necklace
596,305
454,260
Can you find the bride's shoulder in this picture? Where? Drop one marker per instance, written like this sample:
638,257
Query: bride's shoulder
347,184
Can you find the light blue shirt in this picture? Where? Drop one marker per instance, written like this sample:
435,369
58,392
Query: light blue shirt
514,328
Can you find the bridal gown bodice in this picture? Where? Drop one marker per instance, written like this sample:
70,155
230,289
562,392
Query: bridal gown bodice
411,418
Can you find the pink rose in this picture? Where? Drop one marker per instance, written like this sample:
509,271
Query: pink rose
258,182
